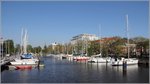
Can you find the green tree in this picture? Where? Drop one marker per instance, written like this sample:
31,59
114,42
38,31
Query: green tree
70,48
37,50
45,50
50,49
29,49
17,49
79,46
9,46
94,48
116,46
142,44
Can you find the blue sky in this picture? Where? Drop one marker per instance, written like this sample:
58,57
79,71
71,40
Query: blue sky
50,21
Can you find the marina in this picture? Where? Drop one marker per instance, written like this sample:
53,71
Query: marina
74,42
57,70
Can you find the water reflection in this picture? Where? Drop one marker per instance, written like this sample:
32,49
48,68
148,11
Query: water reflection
24,75
125,70
58,71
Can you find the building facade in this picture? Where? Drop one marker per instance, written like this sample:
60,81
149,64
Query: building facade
89,37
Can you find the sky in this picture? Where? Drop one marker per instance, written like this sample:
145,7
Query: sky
59,21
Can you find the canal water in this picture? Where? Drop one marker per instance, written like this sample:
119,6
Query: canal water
65,71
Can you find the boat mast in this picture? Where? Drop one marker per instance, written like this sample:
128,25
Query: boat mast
21,41
127,36
25,42
67,48
86,46
100,39
1,37
82,45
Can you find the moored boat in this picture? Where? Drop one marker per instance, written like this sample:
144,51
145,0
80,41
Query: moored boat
123,61
99,59
23,67
81,58
24,62
25,58
127,61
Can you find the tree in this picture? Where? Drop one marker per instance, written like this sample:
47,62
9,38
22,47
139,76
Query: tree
142,44
37,50
68,48
29,48
116,46
17,49
9,46
45,50
79,46
49,49
94,48
105,48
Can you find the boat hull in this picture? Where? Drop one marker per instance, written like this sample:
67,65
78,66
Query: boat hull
99,60
124,62
81,58
24,67
24,62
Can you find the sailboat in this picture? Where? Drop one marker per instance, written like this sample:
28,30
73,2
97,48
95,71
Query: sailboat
126,61
25,55
26,58
98,58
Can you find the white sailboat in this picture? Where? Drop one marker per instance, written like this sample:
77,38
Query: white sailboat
26,58
98,58
127,61
24,62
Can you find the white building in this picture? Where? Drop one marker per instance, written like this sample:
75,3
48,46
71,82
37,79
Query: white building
89,37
